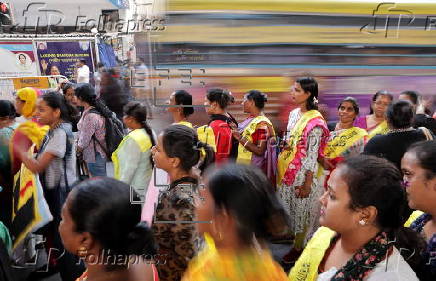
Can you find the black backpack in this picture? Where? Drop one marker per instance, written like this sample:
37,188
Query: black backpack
114,131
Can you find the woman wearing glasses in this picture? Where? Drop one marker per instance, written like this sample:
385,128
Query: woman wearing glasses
375,123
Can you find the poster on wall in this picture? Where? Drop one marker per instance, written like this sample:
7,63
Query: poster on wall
61,57
17,59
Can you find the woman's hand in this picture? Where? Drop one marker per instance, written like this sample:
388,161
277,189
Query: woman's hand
44,65
326,163
304,190
79,150
236,135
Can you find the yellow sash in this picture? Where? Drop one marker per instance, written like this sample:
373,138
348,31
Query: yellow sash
286,156
381,129
33,131
140,137
306,267
206,135
186,123
214,264
244,155
344,140
412,218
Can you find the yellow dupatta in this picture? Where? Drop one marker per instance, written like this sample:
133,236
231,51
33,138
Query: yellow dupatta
306,267
213,265
244,155
143,141
186,123
30,129
381,129
29,96
205,134
287,156
415,215
340,143
33,131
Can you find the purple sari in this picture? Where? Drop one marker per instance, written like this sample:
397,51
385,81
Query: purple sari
267,162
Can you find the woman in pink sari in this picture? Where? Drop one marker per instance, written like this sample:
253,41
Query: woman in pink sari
375,123
297,182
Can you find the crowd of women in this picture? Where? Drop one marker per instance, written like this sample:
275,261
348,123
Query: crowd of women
356,198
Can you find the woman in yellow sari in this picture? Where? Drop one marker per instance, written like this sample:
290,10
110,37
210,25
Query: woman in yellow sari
375,123
254,135
297,165
345,140
235,232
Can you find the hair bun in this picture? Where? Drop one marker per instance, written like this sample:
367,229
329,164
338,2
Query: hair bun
140,240
265,97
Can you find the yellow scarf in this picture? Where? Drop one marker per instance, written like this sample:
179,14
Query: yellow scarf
306,267
287,156
381,129
33,131
186,123
412,218
340,143
215,265
29,96
244,155
140,137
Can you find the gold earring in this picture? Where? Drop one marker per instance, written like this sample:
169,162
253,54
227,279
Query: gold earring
217,232
220,236
82,251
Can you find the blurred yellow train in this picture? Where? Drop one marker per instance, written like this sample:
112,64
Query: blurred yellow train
354,48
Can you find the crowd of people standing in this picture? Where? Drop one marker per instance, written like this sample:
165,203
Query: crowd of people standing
356,198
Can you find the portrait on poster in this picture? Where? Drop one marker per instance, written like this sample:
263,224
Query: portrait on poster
24,62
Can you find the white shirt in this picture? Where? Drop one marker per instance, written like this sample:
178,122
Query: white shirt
394,268
83,74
